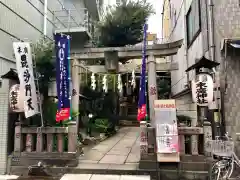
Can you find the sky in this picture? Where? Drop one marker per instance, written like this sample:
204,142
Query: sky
155,20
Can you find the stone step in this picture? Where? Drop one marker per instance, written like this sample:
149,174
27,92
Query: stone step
162,174
185,166
29,161
87,169
182,175
193,158
194,166
128,123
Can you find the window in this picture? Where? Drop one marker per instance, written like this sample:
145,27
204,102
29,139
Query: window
193,21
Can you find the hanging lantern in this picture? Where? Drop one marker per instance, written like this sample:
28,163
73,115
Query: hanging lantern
119,82
93,81
105,84
16,99
202,89
133,82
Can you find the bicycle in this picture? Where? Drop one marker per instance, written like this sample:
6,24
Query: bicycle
224,150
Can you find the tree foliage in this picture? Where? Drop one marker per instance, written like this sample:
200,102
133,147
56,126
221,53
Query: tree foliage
43,52
123,24
164,88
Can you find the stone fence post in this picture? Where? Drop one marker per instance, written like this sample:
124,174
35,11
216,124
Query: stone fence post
148,158
143,139
72,137
207,129
18,138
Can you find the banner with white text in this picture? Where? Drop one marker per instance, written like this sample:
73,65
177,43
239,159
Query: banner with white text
23,55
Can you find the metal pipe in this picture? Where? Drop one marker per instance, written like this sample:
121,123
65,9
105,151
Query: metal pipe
45,18
211,30
185,38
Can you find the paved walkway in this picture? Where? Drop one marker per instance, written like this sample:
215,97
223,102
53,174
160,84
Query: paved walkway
121,149
102,177
10,177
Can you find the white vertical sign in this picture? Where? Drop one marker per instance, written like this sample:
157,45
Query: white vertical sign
24,64
166,130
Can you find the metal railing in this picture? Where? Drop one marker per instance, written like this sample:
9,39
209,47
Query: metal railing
72,18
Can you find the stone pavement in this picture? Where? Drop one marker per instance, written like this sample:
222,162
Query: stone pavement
102,177
122,151
10,177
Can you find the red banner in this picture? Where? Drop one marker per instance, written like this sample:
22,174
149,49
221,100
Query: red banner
63,114
141,112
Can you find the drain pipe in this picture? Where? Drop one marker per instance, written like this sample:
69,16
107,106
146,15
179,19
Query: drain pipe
45,18
185,38
211,30
214,108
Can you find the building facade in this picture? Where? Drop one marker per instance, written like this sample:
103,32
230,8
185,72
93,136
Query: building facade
174,28
209,28
29,20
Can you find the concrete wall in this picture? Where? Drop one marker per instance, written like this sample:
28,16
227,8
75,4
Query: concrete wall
20,20
186,107
227,25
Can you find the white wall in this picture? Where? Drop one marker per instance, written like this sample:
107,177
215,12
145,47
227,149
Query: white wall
184,103
177,32
179,77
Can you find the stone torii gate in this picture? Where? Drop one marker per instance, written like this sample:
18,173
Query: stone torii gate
112,55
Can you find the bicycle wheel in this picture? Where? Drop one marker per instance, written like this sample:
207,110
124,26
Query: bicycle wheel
214,173
221,170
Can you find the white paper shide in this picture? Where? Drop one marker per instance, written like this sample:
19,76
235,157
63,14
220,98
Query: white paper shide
202,89
23,57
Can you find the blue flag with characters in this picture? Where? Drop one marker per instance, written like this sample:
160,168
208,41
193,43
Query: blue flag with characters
142,92
62,44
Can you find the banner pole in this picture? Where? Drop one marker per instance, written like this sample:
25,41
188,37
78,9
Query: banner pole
69,77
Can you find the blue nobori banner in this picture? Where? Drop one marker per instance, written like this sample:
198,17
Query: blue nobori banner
62,44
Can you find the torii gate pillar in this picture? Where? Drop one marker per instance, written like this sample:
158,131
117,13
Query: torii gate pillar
152,87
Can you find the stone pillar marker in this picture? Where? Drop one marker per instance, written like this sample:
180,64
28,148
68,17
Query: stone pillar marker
60,143
207,129
49,142
152,86
39,147
72,137
18,138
